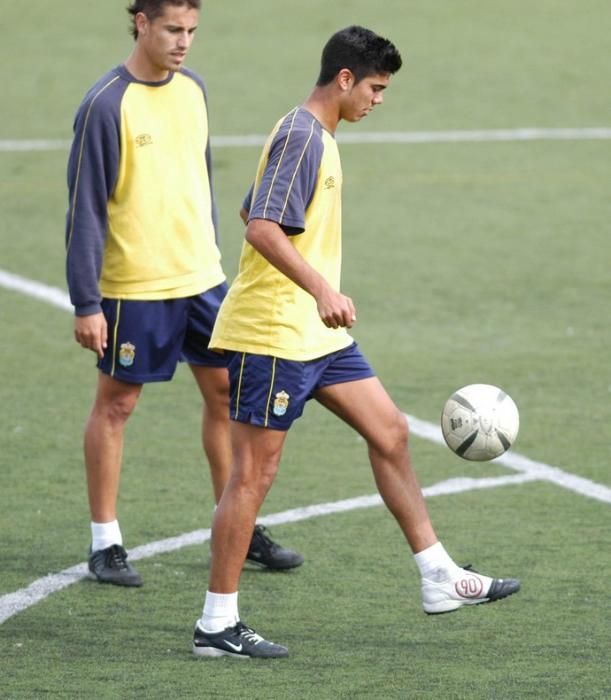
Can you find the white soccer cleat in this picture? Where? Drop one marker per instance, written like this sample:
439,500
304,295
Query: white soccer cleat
443,591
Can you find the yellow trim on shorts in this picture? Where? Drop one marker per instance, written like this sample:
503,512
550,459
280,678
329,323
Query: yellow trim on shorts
271,387
237,401
114,339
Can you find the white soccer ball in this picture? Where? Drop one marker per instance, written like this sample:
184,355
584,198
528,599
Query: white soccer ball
480,422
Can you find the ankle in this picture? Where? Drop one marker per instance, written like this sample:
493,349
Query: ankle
435,558
104,535
220,611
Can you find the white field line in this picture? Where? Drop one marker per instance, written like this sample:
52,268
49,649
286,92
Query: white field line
383,137
519,463
13,603
51,295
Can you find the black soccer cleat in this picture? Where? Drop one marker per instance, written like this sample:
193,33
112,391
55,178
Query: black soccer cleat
110,566
238,641
264,552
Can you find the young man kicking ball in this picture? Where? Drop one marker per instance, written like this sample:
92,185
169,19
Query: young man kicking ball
284,327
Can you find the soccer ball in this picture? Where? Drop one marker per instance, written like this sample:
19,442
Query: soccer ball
480,422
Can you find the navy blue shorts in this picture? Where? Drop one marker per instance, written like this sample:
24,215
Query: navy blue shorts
272,392
146,339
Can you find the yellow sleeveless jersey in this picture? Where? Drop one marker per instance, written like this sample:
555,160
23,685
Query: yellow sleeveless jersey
297,185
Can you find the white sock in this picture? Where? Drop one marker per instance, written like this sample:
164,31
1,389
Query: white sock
220,611
104,535
434,557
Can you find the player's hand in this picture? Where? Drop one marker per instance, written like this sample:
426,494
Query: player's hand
335,309
91,332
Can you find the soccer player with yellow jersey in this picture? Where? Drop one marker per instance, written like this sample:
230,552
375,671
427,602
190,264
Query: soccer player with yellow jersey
284,324
143,264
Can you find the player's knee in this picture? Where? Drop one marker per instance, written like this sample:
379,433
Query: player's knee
216,402
268,472
254,484
119,409
399,434
392,440
218,408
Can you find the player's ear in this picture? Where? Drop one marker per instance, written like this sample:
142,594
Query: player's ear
345,79
141,22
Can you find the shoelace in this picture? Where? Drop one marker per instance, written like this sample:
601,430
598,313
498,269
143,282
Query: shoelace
116,557
248,634
264,539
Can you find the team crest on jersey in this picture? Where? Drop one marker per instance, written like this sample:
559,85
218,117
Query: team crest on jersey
281,403
329,182
127,354
143,140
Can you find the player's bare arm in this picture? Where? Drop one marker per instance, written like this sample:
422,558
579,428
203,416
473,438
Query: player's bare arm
267,238
91,332
244,215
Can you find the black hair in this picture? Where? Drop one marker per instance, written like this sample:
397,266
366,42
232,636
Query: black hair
154,8
360,50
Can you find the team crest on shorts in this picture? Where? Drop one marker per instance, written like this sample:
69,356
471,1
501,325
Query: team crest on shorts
281,403
127,354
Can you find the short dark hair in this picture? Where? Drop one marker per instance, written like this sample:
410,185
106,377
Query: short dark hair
154,8
360,50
